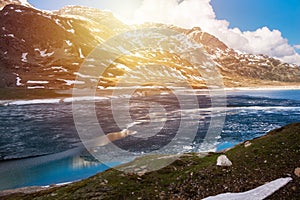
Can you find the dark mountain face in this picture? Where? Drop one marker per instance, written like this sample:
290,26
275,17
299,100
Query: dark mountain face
43,46
40,49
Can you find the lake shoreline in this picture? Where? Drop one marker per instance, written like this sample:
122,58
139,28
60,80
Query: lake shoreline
268,106
255,162
8,95
263,88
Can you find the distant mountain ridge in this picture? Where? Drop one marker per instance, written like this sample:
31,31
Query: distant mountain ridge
43,49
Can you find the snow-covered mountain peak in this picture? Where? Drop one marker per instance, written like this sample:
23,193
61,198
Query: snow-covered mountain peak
3,3
40,49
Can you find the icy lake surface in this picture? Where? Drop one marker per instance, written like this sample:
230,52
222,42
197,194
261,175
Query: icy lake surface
34,135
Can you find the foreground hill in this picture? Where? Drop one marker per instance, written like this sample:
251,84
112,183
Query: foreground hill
193,176
44,50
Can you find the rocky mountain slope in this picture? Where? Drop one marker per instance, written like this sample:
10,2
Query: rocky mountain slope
16,2
42,49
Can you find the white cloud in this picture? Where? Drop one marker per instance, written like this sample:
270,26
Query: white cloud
200,13
297,46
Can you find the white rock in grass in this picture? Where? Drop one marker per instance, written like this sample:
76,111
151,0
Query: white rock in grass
223,161
247,144
297,171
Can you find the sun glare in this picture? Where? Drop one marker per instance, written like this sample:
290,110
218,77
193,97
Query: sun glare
125,11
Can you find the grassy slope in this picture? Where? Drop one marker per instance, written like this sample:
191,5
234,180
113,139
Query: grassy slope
270,157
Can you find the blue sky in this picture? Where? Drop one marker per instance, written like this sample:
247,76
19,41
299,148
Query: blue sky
283,15
246,15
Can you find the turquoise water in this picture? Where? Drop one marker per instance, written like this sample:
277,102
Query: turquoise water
52,169
27,132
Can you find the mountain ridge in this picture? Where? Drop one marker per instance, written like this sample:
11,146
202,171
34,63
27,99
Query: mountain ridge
3,3
42,49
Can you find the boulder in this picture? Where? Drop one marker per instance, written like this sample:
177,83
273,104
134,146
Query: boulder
223,161
297,172
247,144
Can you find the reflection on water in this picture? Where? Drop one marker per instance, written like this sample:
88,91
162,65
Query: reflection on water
45,170
79,163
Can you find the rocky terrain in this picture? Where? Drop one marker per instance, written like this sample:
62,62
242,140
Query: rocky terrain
44,50
16,2
192,176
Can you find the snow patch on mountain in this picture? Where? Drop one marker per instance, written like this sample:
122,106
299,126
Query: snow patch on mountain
9,35
71,31
72,82
196,13
59,68
24,2
3,3
69,43
44,53
35,87
24,57
80,53
37,82
18,80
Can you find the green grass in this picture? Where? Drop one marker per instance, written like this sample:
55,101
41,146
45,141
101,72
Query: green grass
273,156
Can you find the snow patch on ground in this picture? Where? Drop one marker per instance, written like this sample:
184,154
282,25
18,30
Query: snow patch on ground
69,23
57,21
60,68
124,67
10,35
44,53
71,31
24,57
35,87
18,80
37,82
24,2
69,43
96,30
83,75
258,193
80,53
72,82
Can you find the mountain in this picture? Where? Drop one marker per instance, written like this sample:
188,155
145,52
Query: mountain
16,2
43,49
